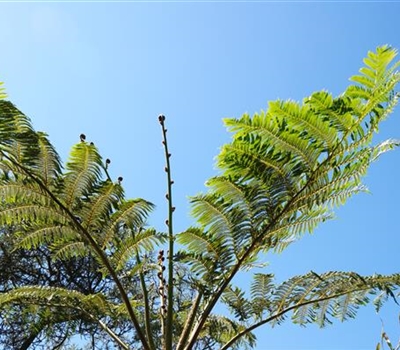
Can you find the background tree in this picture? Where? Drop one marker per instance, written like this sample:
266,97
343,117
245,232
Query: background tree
87,263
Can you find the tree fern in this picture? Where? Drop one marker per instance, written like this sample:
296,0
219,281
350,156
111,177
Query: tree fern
91,262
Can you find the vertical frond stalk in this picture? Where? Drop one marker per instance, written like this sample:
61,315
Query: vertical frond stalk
170,287
189,322
161,293
147,318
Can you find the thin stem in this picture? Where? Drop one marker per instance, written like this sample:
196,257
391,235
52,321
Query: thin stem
189,322
146,307
94,245
170,287
113,335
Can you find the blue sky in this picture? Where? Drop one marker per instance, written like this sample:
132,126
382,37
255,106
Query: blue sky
108,69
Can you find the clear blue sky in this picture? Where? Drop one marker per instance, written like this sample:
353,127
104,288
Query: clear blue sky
109,69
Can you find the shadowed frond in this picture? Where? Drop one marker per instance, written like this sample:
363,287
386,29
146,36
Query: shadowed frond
45,235
97,211
132,245
197,241
332,294
67,250
54,296
131,213
235,298
221,329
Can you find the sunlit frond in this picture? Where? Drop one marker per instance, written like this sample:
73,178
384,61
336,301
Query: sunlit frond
83,172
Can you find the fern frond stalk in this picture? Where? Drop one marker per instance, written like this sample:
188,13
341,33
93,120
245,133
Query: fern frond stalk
171,239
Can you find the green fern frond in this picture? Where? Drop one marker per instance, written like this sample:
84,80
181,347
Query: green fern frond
32,213
44,236
132,213
261,290
101,205
333,111
232,192
290,230
221,329
14,193
83,172
198,242
17,136
302,118
376,66
240,156
235,298
273,131
212,213
49,162
332,294
133,245
55,296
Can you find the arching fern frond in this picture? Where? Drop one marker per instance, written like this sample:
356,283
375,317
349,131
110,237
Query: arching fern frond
17,193
55,296
318,298
31,213
332,294
17,136
46,235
